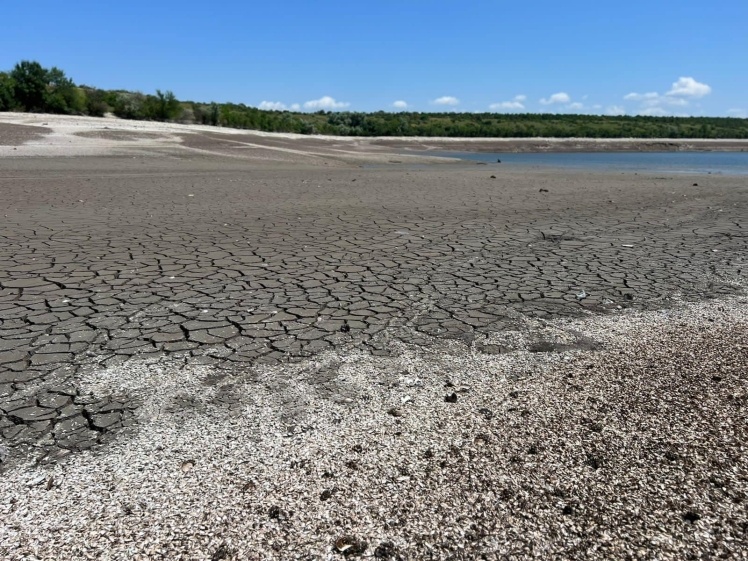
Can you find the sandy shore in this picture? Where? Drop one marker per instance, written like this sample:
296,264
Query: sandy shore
221,345
24,134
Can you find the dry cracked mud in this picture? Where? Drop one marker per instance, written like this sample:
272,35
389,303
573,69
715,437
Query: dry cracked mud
233,264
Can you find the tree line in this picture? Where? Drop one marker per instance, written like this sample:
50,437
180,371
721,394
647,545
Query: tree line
31,87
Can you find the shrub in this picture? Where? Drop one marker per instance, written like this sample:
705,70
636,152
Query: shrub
30,85
7,101
96,104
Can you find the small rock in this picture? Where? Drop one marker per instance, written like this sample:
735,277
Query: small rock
691,517
493,177
596,427
187,466
388,551
451,398
543,190
223,552
349,545
274,512
581,295
487,413
327,494
37,480
395,412
594,462
248,486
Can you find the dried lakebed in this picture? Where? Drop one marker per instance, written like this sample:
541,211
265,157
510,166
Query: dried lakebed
230,312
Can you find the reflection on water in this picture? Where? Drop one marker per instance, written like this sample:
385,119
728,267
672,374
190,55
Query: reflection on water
725,163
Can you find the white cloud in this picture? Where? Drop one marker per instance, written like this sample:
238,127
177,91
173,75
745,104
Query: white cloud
507,105
400,104
633,96
326,102
272,105
446,100
680,94
615,110
664,100
560,97
576,106
295,107
688,87
739,113
516,104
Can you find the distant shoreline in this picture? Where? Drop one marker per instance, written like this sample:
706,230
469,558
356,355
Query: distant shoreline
36,134
566,144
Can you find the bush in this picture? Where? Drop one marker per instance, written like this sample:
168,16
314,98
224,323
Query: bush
7,100
35,88
96,104
129,105
30,85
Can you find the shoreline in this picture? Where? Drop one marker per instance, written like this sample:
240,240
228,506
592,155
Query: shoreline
29,134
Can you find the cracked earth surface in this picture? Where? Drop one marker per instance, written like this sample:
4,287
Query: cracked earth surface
232,264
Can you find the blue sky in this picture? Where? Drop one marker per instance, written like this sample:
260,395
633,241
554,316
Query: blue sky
682,57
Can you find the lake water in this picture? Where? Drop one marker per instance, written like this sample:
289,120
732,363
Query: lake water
724,163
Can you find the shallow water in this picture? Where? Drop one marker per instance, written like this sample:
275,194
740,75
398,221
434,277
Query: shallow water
723,163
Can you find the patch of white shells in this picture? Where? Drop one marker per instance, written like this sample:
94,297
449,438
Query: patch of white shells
275,463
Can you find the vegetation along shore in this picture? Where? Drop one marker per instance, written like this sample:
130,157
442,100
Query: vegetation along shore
31,87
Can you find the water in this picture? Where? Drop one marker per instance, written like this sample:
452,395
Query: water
723,163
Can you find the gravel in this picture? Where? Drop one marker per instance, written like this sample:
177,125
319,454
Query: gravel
636,450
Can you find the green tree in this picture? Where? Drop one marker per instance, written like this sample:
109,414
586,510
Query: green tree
61,94
214,114
129,105
96,102
30,85
168,107
7,100
36,88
